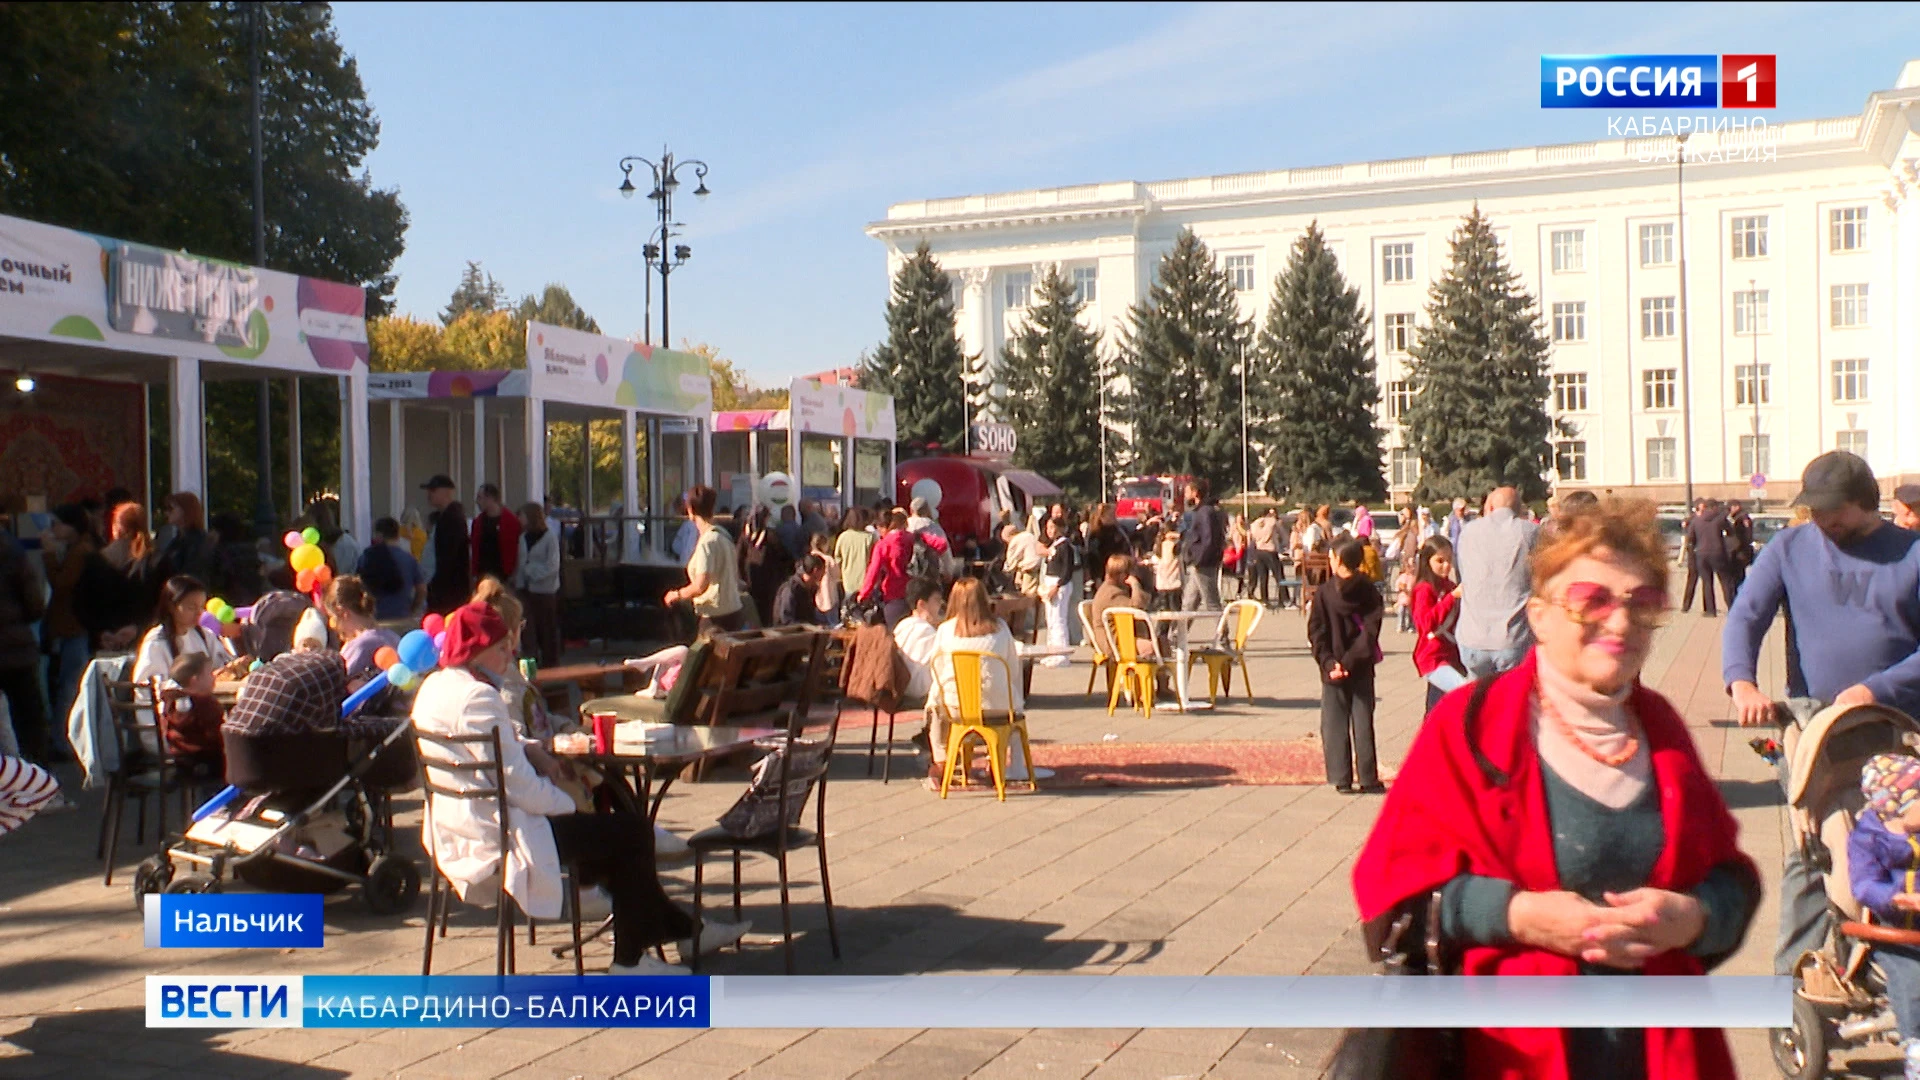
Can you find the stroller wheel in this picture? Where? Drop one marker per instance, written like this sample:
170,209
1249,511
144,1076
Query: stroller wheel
193,883
151,876
1800,1052
392,883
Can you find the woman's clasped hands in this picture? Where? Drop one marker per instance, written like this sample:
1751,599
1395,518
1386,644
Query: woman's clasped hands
1623,932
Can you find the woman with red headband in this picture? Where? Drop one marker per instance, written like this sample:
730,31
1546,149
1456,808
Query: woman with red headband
1560,818
463,697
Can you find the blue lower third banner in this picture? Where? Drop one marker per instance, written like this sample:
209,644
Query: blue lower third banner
234,921
967,1001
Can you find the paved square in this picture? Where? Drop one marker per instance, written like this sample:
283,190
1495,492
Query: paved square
1231,879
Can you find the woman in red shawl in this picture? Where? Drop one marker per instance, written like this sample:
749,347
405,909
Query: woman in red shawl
1561,819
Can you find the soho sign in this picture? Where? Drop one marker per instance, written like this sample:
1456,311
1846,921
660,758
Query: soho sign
993,439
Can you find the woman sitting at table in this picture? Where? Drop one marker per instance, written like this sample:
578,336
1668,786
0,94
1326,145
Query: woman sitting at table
349,611
972,627
614,850
177,632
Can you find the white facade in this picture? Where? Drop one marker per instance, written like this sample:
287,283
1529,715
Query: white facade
1822,217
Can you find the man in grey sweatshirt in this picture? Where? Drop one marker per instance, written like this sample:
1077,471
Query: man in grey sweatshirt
1495,557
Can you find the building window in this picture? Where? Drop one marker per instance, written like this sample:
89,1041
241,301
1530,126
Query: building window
1659,388
1847,228
1853,442
1569,250
1570,392
1399,332
1656,245
1750,312
1662,459
1399,399
1570,459
1570,320
1849,380
1849,306
1657,314
1403,468
1747,390
1240,269
1750,237
1086,284
1396,262
1019,289
1755,455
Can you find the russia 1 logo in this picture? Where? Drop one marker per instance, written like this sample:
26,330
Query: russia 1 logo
1746,81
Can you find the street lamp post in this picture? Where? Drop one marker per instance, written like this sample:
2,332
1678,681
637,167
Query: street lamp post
665,257
1246,474
1686,375
1753,386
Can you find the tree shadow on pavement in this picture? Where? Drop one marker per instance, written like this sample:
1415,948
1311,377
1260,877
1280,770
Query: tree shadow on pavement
104,1042
1751,794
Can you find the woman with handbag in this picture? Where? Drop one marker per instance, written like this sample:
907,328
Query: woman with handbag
1434,603
1556,820
1344,629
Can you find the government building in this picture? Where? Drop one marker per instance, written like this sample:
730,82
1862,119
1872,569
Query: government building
1762,281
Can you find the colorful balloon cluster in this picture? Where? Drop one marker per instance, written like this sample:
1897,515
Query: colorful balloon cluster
220,615
419,653
309,562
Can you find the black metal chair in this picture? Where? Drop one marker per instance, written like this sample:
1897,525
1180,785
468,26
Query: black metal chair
801,771
147,769
454,770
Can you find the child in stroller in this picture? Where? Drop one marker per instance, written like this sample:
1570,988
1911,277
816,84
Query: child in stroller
1852,780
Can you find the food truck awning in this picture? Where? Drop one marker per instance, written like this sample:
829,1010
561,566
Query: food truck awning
1033,484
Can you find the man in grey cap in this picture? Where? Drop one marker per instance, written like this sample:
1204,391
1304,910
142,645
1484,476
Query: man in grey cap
1906,507
1852,583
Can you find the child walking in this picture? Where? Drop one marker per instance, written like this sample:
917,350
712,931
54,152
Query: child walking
1344,628
1436,606
1883,856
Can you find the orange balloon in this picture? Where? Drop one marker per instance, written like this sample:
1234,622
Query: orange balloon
304,581
322,576
385,657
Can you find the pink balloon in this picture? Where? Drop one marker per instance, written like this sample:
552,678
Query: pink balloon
433,624
440,640
293,539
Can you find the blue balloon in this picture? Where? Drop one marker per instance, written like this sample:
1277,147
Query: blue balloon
417,651
363,695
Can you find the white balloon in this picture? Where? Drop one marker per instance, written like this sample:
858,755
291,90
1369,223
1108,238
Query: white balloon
928,489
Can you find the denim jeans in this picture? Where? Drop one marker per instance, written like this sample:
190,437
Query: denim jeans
71,654
1803,905
1902,969
1201,589
1482,663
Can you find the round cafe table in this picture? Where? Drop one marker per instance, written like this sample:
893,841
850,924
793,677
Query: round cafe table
1181,624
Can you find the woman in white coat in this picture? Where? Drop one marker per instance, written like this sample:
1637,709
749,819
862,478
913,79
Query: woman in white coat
613,850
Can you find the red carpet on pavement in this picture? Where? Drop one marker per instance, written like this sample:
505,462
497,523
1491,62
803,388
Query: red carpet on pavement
1181,764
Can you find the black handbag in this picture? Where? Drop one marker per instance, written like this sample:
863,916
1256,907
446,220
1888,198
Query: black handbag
1402,1053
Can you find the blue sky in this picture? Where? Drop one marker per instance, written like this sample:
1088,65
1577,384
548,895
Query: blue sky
502,125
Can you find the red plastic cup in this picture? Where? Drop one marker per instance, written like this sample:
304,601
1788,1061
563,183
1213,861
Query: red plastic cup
603,732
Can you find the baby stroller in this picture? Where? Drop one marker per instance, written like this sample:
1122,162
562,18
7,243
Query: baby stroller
1840,996
306,810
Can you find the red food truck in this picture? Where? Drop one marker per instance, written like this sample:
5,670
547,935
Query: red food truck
970,493
1141,497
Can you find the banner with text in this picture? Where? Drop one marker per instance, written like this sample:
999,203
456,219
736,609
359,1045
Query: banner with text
579,368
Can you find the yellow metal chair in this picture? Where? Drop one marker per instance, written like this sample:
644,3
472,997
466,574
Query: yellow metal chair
1132,674
1228,648
969,681
1101,661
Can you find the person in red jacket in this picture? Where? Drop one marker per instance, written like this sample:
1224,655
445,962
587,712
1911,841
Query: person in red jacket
1436,603
887,574
495,536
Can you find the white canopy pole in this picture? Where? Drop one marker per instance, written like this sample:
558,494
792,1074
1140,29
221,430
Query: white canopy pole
187,419
396,459
296,491
536,451
356,474
630,489
479,443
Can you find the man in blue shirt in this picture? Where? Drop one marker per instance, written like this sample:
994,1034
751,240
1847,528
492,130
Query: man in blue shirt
1850,583
391,574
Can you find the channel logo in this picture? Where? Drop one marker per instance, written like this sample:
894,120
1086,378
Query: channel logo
1703,81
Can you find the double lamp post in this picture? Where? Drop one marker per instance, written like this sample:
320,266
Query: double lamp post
663,255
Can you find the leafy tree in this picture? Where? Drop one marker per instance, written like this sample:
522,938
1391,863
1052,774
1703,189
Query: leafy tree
921,363
403,343
1180,358
1479,372
478,291
1316,386
1051,369
731,387
554,306
487,341
133,120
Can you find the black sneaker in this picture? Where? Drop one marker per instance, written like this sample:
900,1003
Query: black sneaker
1346,789
1373,789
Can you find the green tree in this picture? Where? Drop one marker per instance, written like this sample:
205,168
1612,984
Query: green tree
1051,370
1314,373
133,120
487,341
731,387
555,306
478,291
404,343
1180,356
1478,419
921,363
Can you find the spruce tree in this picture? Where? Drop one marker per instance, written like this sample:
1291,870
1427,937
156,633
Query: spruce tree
1478,419
1316,383
1051,371
921,363
1180,358
477,291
